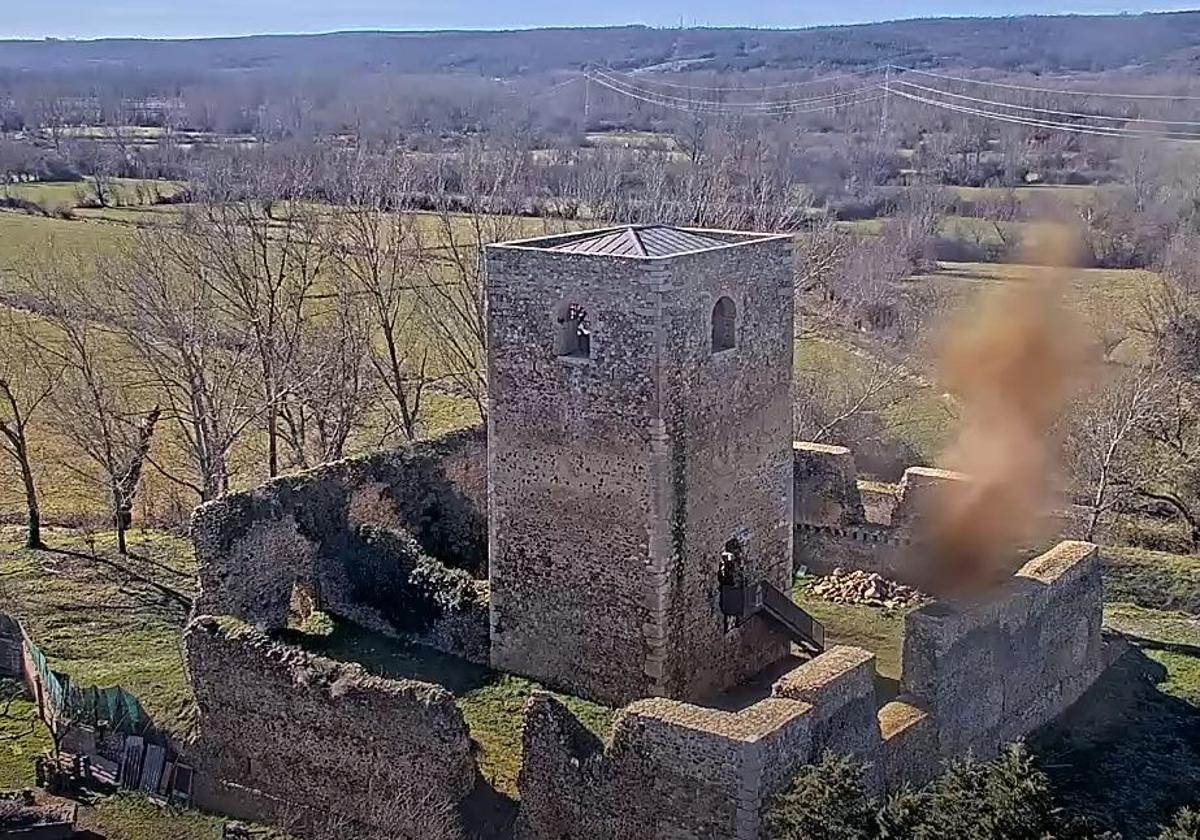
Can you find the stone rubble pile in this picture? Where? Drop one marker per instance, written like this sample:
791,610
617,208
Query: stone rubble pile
868,589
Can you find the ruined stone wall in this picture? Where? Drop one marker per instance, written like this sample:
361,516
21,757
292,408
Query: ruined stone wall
976,676
617,479
314,528
868,547
826,486
991,670
682,771
285,735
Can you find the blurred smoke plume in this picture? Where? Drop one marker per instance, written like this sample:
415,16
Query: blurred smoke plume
1014,360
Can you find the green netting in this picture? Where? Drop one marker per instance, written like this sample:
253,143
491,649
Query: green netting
113,706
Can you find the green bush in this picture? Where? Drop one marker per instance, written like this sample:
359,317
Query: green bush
389,571
826,801
1006,799
1185,827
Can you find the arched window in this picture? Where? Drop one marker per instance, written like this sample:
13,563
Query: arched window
574,337
724,325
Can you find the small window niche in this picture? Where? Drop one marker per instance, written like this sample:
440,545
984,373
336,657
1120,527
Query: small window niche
724,325
574,338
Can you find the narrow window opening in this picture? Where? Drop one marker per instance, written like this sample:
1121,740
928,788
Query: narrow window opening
724,325
574,333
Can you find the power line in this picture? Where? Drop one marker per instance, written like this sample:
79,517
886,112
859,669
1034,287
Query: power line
782,106
692,106
554,88
1050,111
1073,128
1103,94
767,106
757,88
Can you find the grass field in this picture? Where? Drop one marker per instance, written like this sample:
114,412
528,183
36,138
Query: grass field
22,738
1077,195
1128,754
56,196
103,629
878,630
100,625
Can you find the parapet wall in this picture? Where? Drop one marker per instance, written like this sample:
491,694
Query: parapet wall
976,676
993,669
254,547
682,771
294,738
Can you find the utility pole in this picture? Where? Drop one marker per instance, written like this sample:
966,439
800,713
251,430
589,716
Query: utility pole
887,100
587,100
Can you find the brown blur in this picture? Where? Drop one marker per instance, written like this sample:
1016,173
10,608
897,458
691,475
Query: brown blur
1013,360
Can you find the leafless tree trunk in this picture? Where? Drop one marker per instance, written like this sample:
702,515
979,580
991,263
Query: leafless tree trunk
452,292
257,245
24,388
1102,441
95,403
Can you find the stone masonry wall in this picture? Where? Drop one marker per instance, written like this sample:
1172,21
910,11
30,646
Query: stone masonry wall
286,735
617,479
727,463
674,770
826,485
991,670
976,676
571,487
253,547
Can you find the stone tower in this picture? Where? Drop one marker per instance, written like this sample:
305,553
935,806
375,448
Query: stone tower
640,455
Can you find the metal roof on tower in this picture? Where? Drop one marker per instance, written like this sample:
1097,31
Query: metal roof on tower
641,241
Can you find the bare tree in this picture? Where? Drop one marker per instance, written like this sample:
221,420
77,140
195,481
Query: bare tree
95,403
1172,323
1103,441
336,379
820,253
451,292
200,370
827,409
378,249
25,386
257,245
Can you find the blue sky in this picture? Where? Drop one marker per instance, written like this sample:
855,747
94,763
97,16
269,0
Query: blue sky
188,18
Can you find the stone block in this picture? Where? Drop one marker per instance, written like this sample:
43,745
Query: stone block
826,485
911,755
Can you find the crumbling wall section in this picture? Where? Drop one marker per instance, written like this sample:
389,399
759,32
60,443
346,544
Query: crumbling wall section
352,531
826,485
289,736
976,676
675,770
991,670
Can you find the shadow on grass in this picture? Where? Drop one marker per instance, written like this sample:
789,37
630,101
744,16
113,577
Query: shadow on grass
1127,754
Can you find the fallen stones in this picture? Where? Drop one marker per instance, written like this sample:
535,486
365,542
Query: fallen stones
867,589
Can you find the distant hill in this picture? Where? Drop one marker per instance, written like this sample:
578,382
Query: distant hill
1028,44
